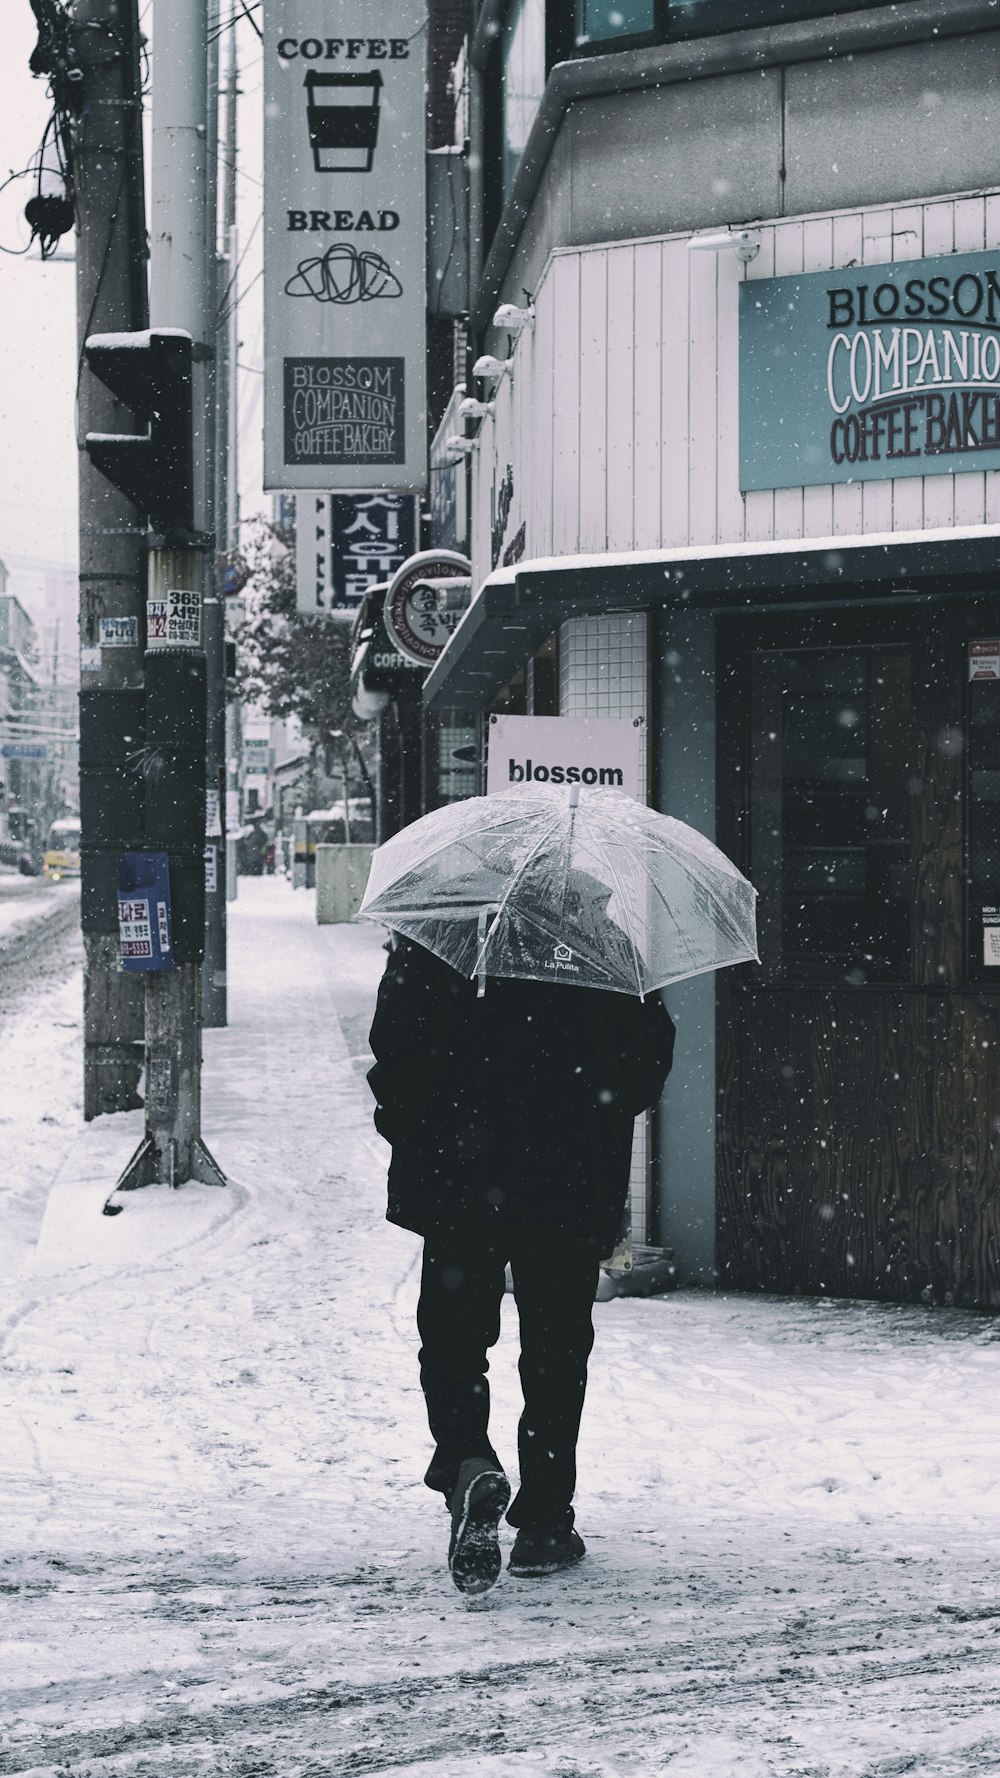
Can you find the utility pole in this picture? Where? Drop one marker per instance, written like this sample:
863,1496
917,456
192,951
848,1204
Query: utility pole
111,297
213,981
172,1150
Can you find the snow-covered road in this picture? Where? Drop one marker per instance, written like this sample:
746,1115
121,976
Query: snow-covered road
37,921
218,1554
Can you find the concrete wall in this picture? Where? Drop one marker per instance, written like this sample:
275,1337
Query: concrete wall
918,121
679,157
341,875
684,732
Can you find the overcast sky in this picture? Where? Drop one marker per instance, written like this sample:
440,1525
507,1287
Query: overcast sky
37,353
37,301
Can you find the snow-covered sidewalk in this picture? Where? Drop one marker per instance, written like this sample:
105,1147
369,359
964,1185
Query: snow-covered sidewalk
219,1557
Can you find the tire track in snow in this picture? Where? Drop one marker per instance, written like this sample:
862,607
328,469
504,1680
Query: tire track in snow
546,1704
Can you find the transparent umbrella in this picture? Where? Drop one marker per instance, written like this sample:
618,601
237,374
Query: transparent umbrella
585,887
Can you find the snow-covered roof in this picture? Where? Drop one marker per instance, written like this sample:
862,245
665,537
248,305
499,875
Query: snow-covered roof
517,607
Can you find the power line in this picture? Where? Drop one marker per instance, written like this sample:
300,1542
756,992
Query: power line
221,313
235,18
225,314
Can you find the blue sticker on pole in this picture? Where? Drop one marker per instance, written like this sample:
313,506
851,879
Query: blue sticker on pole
144,929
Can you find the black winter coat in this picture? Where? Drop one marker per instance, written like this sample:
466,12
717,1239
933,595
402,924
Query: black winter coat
514,1108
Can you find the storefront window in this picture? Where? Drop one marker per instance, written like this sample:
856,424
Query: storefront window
523,58
831,843
694,18
597,21
458,758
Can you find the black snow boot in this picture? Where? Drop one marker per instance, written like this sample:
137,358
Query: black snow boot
477,1505
541,1550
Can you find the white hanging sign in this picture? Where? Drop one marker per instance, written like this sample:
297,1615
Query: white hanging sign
118,632
344,245
602,752
312,553
984,659
174,621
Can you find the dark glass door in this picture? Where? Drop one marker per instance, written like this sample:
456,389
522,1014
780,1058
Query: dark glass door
831,833
859,1066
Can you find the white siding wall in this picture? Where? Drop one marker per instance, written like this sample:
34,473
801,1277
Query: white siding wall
620,421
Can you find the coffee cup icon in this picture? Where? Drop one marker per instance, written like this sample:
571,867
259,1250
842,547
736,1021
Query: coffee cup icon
343,113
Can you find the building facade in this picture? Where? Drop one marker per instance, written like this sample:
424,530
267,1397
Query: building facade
24,772
740,476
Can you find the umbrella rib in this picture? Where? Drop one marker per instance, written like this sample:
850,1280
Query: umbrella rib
536,848
709,889
678,928
443,844
620,890
729,926
702,872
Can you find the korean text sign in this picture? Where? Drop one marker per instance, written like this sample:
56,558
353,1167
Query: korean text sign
144,925
870,371
344,246
346,543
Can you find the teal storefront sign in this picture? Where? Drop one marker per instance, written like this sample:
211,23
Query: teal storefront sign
870,371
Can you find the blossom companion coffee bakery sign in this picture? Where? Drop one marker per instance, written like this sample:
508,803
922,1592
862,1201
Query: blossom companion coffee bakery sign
870,371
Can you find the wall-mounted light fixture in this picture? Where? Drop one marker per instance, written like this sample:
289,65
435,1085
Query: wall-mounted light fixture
456,446
744,242
471,409
490,369
512,319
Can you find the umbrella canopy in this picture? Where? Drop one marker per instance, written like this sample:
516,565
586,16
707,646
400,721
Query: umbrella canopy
585,887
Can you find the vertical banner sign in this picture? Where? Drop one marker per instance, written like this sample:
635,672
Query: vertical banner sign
372,535
346,543
257,745
312,553
344,245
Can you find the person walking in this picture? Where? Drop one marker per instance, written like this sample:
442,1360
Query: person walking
510,1114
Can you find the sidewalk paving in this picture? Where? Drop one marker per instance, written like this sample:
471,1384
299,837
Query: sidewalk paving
218,1555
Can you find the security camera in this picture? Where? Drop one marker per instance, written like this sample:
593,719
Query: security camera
459,447
490,369
512,319
471,409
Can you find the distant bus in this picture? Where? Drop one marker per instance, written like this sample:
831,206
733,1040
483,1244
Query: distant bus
62,849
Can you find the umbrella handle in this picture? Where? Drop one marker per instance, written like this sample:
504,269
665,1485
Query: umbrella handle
483,930
481,940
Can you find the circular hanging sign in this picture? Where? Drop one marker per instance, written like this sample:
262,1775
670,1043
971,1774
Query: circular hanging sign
419,620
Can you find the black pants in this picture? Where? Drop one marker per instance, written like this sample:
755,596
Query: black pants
458,1317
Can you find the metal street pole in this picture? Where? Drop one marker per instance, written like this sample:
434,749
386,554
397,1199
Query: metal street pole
110,297
172,1150
228,412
